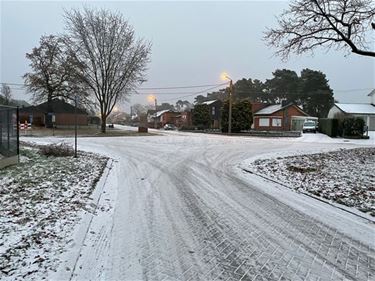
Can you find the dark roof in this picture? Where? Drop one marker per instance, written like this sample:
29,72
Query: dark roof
57,106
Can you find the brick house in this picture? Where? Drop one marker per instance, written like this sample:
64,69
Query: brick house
184,119
64,114
215,107
279,117
162,117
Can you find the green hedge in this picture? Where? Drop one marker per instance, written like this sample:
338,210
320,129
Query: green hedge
353,127
329,126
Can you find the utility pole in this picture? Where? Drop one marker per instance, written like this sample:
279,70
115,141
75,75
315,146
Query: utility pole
156,111
230,106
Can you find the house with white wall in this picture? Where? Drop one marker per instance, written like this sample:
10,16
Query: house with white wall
366,111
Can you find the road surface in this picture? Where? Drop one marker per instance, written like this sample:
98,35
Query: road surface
179,209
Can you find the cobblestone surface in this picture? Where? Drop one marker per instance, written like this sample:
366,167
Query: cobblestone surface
184,215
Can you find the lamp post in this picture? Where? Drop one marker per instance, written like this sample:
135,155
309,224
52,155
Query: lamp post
224,76
152,98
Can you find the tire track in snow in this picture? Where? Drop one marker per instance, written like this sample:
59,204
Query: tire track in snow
194,220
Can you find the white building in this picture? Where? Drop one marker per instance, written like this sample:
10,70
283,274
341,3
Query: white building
366,111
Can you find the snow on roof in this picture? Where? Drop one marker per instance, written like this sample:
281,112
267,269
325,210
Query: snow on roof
269,109
209,102
159,113
356,108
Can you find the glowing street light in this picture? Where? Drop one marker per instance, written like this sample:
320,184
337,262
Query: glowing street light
224,76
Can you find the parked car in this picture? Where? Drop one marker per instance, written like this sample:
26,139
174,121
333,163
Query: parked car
169,127
309,126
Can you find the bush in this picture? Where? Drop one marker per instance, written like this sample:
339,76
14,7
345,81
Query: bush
57,150
187,128
353,127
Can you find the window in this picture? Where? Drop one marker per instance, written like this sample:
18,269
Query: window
213,110
276,122
264,122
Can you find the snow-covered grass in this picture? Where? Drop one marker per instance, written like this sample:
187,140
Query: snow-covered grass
345,176
40,199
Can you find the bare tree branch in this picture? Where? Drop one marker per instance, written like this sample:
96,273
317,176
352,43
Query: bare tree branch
7,93
339,24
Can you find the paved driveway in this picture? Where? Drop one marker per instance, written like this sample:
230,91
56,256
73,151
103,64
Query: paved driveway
180,210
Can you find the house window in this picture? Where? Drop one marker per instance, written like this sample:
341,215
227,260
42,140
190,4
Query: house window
276,122
264,122
213,110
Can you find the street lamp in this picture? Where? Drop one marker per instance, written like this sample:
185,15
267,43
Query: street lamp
152,98
225,76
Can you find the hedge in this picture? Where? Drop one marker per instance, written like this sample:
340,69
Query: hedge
329,126
353,127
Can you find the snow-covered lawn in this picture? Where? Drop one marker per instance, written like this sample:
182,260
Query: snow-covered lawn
345,176
40,199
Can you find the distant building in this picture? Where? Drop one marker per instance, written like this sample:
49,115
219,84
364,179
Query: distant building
63,112
160,118
215,108
184,119
366,111
279,117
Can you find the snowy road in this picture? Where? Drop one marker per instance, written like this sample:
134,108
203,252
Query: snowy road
182,210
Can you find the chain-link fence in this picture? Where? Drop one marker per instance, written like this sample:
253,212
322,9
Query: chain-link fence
9,134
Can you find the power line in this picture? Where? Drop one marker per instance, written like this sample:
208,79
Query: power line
194,86
196,93
145,88
182,87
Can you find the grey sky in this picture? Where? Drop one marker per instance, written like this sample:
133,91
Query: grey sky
193,42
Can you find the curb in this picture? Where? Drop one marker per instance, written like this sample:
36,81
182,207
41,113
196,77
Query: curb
309,195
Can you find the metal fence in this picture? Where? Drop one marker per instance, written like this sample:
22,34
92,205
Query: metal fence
9,131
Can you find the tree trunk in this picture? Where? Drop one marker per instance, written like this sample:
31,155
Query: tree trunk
48,118
104,124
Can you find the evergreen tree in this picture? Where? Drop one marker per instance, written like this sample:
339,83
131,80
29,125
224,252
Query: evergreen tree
201,116
315,93
242,117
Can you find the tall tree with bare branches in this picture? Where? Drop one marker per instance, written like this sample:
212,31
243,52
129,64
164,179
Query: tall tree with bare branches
7,94
338,24
112,61
52,74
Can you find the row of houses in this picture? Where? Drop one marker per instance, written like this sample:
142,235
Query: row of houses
266,117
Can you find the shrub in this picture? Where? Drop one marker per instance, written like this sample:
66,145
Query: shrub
187,128
353,127
57,150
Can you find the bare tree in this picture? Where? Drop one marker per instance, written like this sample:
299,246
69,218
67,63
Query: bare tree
7,94
112,60
339,24
52,73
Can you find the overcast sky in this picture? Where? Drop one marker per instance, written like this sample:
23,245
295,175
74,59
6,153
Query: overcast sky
192,43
